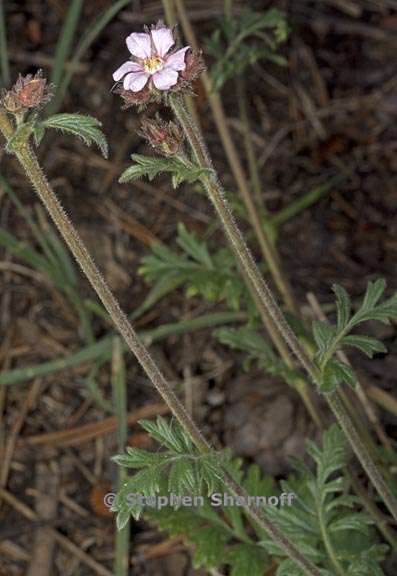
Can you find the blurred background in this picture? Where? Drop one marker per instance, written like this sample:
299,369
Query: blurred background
313,120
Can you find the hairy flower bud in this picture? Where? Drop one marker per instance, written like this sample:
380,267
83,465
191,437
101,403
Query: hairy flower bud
194,68
28,92
165,137
140,99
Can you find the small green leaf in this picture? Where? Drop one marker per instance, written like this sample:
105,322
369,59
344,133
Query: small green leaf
351,522
343,305
334,374
85,127
173,437
373,293
147,481
122,518
323,334
38,133
138,458
197,250
152,166
366,344
247,559
209,546
181,478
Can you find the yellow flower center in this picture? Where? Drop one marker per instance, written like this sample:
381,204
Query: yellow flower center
152,64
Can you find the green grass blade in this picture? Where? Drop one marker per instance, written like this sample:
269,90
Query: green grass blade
37,233
95,391
103,348
89,37
23,251
118,379
55,261
65,40
4,63
305,201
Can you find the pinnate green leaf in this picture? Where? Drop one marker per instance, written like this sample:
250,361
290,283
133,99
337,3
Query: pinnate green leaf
366,344
343,306
84,127
247,559
152,166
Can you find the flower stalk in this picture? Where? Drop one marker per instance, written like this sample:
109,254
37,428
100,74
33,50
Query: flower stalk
36,176
236,167
217,196
240,248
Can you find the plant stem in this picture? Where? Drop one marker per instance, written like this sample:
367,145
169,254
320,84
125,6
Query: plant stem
101,350
327,541
237,168
244,257
362,452
256,514
46,194
119,389
36,176
243,254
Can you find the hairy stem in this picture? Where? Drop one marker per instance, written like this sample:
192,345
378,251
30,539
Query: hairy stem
34,173
264,294
237,168
244,257
256,514
362,453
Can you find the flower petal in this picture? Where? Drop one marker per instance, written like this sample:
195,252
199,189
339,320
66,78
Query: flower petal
135,81
164,79
125,68
162,40
139,44
177,61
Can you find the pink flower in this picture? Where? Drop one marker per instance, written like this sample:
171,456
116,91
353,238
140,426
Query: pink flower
151,60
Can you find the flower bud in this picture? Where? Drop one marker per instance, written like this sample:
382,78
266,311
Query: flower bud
194,68
165,137
140,99
28,92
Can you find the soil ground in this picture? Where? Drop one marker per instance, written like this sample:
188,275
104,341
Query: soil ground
327,119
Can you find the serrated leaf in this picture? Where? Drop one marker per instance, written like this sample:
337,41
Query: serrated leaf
366,344
152,166
289,568
172,437
247,559
343,501
197,250
182,479
257,348
38,133
256,484
122,518
320,506
323,334
209,546
343,306
138,458
373,293
84,127
335,373
147,481
242,42
350,522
